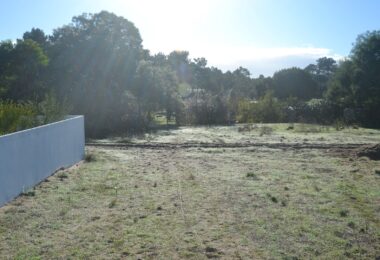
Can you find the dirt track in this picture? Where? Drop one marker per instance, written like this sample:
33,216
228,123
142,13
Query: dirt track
348,146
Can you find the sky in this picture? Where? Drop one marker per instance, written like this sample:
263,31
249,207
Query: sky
261,35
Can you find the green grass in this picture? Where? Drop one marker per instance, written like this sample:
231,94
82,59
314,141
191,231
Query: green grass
201,203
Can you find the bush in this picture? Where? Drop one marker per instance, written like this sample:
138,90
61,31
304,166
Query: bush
19,116
52,110
16,116
266,110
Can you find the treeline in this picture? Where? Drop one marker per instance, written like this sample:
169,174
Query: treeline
97,66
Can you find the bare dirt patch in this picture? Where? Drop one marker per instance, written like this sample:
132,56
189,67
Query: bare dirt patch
370,151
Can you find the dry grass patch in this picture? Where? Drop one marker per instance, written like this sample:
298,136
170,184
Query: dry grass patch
236,203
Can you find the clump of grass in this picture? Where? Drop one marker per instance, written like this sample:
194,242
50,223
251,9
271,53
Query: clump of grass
290,127
343,213
62,176
191,176
339,125
246,128
351,224
306,128
265,130
272,198
89,157
28,193
252,176
113,203
291,258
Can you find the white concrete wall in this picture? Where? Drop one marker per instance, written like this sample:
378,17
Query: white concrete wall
28,157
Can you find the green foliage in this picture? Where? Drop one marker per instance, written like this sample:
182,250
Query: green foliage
266,110
294,82
52,110
356,84
93,65
21,70
98,67
207,109
322,72
23,115
16,116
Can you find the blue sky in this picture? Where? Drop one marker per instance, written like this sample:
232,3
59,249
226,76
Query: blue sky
262,35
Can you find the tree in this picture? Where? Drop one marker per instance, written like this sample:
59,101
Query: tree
294,82
356,84
94,61
38,36
155,88
366,57
341,87
179,61
322,72
21,74
263,85
266,110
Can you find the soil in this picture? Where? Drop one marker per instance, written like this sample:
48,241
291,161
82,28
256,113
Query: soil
226,145
370,151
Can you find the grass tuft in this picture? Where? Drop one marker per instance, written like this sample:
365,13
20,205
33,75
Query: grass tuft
89,157
252,176
343,213
113,203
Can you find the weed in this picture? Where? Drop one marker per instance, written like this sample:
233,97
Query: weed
290,258
246,128
28,193
252,176
290,127
309,128
265,130
339,125
343,213
62,176
89,157
351,224
191,177
272,198
112,204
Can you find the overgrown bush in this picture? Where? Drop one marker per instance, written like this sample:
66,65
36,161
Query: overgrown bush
16,116
207,109
19,116
52,110
266,110
317,111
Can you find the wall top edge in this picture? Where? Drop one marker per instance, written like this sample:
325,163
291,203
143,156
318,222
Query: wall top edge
67,118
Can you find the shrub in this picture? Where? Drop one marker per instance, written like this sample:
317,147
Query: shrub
51,110
16,116
19,116
266,110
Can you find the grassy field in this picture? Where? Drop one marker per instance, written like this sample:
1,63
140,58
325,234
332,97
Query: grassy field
199,203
